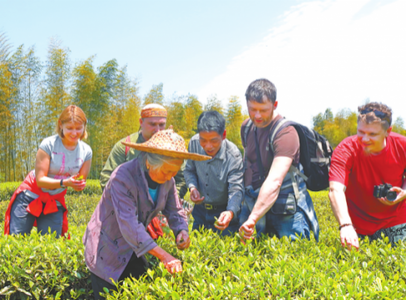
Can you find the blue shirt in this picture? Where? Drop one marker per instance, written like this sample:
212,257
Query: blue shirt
154,194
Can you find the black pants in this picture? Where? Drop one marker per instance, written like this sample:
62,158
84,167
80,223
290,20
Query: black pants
136,267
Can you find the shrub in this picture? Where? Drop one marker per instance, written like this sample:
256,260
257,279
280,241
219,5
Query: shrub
7,189
43,267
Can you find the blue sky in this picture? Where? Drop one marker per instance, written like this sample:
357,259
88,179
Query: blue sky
319,54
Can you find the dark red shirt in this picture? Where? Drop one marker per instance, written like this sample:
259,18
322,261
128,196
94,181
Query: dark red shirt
360,172
286,143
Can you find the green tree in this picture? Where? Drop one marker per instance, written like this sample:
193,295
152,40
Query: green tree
7,121
176,114
193,109
26,70
4,48
155,95
213,103
56,92
234,119
399,126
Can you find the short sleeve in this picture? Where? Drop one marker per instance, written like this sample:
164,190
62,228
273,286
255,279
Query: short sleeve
47,144
88,152
286,143
342,162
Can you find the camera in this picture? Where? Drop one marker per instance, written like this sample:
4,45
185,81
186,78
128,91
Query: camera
382,190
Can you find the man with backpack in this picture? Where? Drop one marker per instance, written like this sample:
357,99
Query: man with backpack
276,200
367,180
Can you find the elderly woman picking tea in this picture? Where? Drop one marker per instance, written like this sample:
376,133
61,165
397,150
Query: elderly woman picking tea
116,239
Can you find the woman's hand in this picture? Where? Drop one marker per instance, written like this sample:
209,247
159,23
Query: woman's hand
172,264
183,240
77,185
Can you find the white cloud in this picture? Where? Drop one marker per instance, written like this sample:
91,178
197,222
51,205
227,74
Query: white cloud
326,54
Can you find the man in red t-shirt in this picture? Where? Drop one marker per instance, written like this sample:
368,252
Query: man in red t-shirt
373,157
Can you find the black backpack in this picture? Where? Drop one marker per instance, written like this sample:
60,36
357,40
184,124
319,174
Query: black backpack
315,153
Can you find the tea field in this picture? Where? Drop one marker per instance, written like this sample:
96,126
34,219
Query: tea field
43,267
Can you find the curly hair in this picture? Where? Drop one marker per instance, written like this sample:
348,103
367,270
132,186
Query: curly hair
375,112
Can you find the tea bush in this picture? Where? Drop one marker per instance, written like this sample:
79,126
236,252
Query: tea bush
92,187
43,267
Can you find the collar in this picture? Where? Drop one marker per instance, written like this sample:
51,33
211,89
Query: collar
140,138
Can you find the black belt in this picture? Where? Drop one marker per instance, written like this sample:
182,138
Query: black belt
208,206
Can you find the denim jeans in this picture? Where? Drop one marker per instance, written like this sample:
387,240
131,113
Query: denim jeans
299,222
205,218
21,221
395,234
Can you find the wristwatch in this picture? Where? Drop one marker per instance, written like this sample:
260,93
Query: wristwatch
62,186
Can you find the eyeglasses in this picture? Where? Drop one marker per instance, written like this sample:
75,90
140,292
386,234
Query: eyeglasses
383,116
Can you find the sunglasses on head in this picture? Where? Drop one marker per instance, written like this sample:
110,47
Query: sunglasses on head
383,116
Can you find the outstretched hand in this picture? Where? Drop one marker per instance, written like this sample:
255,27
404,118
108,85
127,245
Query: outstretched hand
224,220
247,230
349,237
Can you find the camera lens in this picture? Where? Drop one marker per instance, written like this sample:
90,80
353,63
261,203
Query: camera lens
391,196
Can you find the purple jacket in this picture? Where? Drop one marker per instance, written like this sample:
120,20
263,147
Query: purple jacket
118,225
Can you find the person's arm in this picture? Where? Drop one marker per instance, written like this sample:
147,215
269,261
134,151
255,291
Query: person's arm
348,236
180,181
172,264
235,192
190,175
174,212
116,158
268,193
42,162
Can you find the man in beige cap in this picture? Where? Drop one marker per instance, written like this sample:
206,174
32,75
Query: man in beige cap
153,119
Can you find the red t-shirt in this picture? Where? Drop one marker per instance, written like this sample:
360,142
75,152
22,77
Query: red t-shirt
359,172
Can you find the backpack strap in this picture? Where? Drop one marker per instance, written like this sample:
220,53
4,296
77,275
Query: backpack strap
244,140
246,130
281,124
128,140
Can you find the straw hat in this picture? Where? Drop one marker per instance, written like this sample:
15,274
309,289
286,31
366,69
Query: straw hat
168,143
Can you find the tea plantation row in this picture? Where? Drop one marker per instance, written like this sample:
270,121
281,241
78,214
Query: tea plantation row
42,267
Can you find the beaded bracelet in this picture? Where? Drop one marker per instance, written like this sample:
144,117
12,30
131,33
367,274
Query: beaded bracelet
344,225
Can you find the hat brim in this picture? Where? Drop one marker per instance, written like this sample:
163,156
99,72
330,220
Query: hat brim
170,153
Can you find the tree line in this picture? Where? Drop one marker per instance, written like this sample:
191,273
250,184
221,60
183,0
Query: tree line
33,93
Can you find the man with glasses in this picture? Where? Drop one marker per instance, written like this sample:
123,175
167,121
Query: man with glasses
367,179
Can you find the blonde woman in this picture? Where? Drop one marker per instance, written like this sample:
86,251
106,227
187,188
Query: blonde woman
62,160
